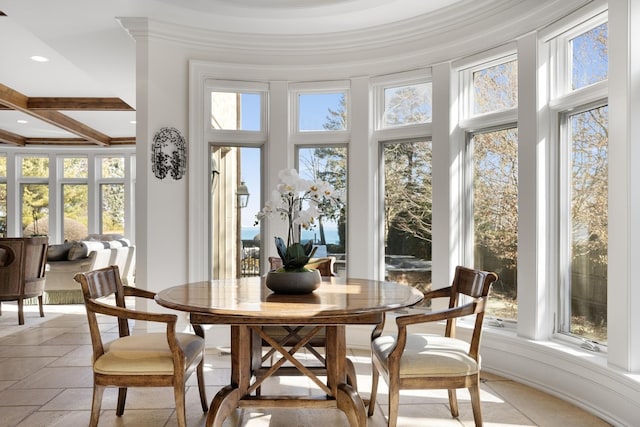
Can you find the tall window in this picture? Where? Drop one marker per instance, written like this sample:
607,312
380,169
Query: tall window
489,116
407,212
327,164
237,132
403,114
320,118
34,171
583,123
3,196
588,223
495,215
75,197
112,198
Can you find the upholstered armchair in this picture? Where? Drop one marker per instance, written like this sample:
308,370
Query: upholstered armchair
22,270
429,361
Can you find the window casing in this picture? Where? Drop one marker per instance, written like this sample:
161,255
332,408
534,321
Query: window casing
329,164
403,113
3,195
320,131
579,109
74,196
488,116
320,112
34,194
237,131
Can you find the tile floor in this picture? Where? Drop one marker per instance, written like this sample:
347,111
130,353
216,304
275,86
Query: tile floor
45,380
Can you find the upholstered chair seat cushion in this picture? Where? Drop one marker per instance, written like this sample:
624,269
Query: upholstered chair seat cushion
428,355
146,353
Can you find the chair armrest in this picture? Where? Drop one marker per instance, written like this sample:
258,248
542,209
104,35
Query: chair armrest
451,313
130,291
436,316
127,313
438,293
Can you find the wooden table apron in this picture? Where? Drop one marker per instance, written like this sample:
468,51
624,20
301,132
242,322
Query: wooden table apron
246,305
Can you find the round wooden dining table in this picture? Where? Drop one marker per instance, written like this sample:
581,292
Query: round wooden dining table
247,305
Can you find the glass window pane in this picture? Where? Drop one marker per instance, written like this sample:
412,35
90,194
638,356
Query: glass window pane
3,166
35,209
235,236
236,111
112,208
590,57
3,210
75,167
407,105
35,167
322,112
495,88
249,232
495,216
589,220
112,167
407,212
75,199
328,164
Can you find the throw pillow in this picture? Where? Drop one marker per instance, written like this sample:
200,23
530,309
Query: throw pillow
77,251
59,252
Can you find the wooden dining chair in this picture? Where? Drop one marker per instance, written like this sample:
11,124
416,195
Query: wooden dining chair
162,359
23,263
424,361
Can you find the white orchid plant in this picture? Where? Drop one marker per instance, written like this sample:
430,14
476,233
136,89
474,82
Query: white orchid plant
300,202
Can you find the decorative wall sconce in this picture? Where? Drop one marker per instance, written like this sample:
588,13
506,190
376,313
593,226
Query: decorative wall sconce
169,154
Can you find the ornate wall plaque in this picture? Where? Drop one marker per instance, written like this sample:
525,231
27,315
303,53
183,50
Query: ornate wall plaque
169,154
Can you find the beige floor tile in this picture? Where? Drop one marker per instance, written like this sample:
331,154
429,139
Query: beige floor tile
79,356
33,336
70,337
58,378
18,368
56,419
26,397
136,418
79,399
35,350
5,384
11,416
543,409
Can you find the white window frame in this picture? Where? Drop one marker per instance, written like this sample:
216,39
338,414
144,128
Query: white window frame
323,136
232,135
380,84
61,181
563,102
470,124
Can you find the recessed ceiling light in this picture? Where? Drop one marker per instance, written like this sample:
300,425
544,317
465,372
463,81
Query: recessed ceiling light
39,58
133,122
22,121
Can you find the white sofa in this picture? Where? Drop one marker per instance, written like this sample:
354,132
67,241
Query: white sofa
60,288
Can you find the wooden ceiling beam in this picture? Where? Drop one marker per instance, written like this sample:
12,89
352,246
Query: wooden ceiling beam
20,102
77,141
11,138
92,104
